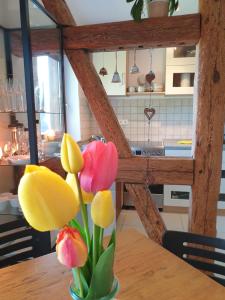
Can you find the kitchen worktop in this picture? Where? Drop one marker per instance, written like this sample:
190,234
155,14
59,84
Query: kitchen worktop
174,145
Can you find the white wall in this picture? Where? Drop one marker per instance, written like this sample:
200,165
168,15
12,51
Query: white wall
72,101
187,7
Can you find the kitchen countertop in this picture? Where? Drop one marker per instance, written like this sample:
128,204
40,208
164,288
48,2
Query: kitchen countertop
173,145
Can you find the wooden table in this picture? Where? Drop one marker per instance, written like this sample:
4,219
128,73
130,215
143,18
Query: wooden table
145,271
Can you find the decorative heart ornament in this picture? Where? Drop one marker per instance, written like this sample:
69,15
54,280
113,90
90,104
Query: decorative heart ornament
149,113
150,77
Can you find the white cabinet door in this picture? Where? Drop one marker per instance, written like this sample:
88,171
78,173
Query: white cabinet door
110,65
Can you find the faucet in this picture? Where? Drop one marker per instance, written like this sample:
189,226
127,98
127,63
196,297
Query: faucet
92,138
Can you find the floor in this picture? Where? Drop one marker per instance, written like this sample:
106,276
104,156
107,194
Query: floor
130,219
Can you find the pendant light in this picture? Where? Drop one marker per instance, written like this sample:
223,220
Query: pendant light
103,70
116,75
134,69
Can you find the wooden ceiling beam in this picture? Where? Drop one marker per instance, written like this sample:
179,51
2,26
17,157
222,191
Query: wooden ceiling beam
150,33
43,41
156,170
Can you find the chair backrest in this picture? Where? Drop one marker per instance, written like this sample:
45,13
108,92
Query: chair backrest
187,246
18,242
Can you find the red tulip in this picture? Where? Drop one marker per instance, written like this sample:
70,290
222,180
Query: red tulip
100,166
70,248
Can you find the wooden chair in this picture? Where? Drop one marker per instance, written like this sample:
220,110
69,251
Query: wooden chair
18,242
185,245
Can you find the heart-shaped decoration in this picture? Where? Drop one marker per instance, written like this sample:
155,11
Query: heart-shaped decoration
150,77
149,113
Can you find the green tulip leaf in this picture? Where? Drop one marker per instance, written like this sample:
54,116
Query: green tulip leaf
102,278
83,281
113,238
75,224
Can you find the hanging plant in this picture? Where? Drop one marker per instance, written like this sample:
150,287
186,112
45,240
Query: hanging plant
138,6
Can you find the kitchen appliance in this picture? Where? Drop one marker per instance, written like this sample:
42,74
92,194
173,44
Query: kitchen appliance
144,148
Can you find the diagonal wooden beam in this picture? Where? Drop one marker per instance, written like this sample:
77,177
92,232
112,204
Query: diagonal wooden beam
96,95
98,100
210,111
153,32
147,211
60,11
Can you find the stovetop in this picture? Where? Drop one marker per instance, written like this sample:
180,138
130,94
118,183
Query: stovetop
145,148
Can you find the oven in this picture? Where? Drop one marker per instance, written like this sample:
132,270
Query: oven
147,149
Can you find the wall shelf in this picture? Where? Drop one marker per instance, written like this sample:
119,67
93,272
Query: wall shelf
144,93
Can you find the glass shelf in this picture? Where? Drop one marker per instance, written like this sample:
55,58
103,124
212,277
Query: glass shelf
37,112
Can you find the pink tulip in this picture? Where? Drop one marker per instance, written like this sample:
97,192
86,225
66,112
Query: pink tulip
70,248
100,166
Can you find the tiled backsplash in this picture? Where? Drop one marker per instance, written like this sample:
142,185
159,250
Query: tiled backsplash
173,118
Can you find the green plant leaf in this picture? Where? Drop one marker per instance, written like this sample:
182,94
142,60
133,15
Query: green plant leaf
113,238
102,278
75,224
76,282
137,9
130,1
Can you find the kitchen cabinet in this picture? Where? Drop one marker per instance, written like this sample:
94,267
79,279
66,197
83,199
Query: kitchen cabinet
32,114
31,87
108,60
180,70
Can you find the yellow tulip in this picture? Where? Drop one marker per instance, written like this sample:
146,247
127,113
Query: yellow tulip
47,201
102,209
32,168
71,156
87,197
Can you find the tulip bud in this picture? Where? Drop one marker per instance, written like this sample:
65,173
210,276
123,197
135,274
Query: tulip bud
70,248
102,209
47,201
71,157
87,197
100,166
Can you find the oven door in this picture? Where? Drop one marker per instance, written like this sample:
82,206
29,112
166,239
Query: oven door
157,192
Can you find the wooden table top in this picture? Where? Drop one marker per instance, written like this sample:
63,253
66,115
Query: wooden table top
145,271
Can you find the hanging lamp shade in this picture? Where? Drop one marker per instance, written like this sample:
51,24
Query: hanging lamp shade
134,69
103,70
116,75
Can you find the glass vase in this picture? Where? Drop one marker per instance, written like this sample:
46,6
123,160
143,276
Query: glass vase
110,296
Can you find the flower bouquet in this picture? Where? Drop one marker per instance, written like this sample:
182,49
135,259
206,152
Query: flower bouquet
49,202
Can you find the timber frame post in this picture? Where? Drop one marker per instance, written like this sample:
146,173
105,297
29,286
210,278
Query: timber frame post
202,171
210,112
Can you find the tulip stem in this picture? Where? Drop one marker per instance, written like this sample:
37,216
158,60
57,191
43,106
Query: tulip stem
77,274
95,245
101,234
84,214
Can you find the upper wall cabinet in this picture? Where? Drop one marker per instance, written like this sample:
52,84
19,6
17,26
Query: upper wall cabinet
108,60
180,56
180,70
